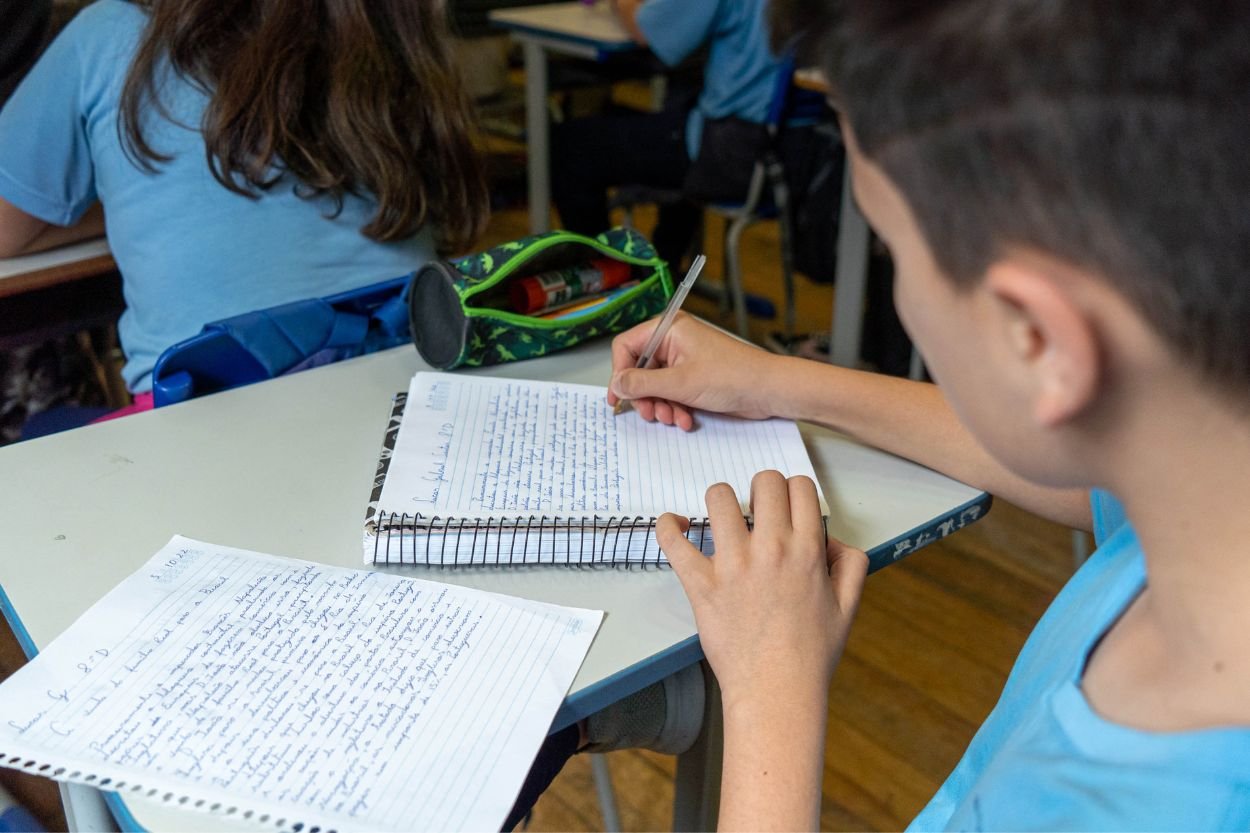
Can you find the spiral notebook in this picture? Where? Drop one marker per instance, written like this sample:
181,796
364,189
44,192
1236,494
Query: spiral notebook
482,471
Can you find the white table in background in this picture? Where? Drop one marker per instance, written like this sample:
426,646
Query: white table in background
26,273
38,299
286,467
574,29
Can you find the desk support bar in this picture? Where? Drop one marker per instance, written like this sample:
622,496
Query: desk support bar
85,810
696,786
851,279
537,129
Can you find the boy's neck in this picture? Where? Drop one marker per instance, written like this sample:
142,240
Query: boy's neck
1182,481
1178,659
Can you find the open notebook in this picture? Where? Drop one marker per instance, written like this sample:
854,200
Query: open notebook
504,471
292,695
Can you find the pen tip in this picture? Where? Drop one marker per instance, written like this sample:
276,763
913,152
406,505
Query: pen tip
618,407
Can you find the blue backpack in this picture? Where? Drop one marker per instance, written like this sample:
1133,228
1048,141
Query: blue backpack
284,339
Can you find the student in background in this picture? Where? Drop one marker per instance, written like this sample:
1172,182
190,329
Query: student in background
591,155
1062,187
245,155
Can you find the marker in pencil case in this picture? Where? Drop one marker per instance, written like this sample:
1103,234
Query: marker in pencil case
587,305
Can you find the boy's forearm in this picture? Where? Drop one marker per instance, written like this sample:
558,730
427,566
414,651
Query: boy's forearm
914,421
773,765
48,236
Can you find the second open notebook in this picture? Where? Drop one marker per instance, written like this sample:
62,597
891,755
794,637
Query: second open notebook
487,471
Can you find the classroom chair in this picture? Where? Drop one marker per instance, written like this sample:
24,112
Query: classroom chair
284,339
768,195
767,198
626,197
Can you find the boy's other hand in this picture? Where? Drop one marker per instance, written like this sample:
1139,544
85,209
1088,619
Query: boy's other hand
774,604
697,367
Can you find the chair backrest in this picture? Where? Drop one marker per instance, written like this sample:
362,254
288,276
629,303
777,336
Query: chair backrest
791,104
284,339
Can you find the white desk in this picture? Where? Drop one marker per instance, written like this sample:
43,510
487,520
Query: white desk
286,467
60,265
590,32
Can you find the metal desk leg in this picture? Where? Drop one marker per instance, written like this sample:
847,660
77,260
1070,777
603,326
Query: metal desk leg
85,809
851,279
607,797
537,132
696,793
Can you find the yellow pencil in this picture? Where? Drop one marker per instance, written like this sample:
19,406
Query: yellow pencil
560,312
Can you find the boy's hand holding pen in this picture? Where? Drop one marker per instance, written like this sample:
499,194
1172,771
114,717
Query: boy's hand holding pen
691,365
647,357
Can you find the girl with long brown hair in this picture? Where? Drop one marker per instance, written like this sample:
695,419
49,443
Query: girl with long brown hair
246,152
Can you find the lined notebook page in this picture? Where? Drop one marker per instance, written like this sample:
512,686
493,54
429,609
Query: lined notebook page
472,447
285,692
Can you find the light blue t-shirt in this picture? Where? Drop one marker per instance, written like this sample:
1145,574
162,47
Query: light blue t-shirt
189,251
1044,760
741,71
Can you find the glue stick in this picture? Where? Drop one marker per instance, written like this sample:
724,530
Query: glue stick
549,290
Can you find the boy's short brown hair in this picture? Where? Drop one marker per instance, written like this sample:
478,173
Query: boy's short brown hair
1110,133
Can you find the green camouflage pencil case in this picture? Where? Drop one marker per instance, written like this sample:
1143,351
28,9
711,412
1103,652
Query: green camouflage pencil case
534,296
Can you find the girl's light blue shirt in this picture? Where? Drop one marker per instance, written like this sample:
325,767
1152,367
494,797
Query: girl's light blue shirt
1045,760
741,71
189,250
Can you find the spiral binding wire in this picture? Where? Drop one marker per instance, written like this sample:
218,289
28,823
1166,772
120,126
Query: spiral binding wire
407,538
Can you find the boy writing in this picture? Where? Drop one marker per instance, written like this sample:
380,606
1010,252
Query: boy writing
1063,189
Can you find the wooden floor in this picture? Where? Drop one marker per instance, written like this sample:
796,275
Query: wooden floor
935,637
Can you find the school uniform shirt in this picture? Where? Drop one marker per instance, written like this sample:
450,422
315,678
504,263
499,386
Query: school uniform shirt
189,251
1045,760
741,71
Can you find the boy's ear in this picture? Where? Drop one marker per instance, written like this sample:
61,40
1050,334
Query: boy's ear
1050,336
